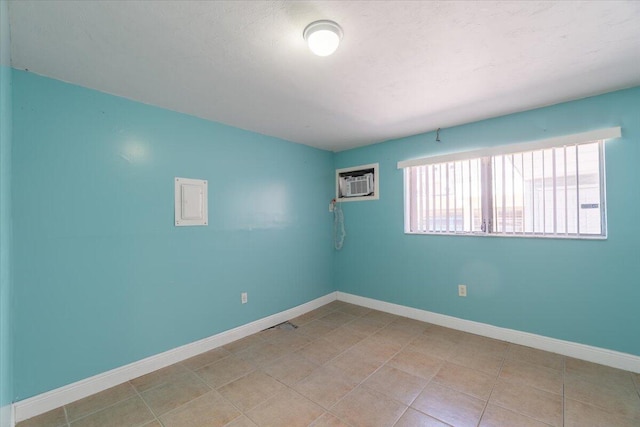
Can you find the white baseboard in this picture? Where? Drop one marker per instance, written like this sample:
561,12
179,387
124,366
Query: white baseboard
6,416
615,359
44,402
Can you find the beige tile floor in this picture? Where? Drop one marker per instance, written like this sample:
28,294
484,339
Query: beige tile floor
347,365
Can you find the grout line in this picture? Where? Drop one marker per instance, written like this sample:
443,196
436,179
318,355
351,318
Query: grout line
564,398
195,398
70,421
314,338
66,415
380,367
402,415
155,417
495,382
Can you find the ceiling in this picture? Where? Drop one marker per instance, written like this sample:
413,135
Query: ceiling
403,68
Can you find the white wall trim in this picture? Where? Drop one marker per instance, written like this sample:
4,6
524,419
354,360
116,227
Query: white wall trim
612,358
558,141
6,414
44,402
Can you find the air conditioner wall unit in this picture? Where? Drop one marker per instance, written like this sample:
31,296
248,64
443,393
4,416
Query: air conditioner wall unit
357,183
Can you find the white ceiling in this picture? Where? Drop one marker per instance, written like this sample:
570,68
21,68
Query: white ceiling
403,68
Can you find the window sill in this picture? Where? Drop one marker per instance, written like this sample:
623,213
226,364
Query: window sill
523,236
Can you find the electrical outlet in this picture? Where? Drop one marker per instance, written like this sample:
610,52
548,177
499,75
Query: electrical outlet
462,290
243,297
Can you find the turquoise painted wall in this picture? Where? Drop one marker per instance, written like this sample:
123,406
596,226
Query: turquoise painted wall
581,291
103,278
6,285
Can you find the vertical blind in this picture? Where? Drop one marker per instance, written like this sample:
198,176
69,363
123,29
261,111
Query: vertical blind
546,192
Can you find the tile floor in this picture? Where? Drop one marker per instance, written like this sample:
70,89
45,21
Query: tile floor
347,365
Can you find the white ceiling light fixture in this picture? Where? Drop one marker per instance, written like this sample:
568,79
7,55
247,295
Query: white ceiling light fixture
323,37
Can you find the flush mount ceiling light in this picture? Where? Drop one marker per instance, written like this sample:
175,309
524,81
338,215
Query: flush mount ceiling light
323,37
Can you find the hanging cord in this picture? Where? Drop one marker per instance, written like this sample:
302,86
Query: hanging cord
338,226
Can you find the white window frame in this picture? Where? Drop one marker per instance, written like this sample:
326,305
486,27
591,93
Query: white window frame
600,135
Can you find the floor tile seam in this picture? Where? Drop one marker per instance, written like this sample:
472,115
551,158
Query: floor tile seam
245,412
421,390
352,331
401,415
391,397
185,403
155,417
341,419
289,353
217,388
435,382
368,376
181,363
317,418
451,362
228,382
442,361
404,347
190,372
479,354
602,408
66,415
368,388
235,352
170,376
564,397
326,411
482,348
597,382
430,415
295,382
266,363
339,354
291,389
607,391
493,387
292,349
70,420
536,365
321,364
240,411
368,334
522,383
523,415
519,382
319,319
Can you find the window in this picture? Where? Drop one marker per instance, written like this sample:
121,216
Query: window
551,188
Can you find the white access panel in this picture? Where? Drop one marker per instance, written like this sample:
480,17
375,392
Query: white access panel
191,202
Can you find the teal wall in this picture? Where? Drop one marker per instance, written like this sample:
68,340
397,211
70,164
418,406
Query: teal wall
6,285
103,278
581,291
